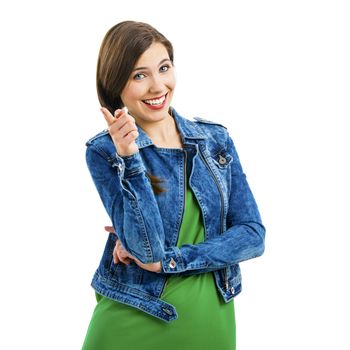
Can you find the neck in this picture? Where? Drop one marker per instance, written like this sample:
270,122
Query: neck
161,132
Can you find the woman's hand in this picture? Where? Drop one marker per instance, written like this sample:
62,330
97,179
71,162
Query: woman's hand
121,255
123,130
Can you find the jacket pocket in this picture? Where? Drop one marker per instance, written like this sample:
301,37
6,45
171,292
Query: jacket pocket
222,159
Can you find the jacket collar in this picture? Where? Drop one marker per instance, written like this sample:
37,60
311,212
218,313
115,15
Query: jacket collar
187,129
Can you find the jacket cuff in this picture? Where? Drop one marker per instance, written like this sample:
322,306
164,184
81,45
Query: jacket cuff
172,261
129,165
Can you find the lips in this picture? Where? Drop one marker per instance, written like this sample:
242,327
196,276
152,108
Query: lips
156,102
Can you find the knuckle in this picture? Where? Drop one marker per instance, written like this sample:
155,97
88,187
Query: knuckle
116,112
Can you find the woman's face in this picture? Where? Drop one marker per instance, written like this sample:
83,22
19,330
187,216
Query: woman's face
151,85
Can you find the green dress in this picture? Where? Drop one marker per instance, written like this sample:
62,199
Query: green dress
204,320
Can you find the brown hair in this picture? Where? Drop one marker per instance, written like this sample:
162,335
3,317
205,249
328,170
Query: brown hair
121,48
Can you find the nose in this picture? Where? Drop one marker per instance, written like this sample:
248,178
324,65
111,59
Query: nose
157,84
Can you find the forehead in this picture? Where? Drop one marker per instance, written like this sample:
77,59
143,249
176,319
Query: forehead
153,55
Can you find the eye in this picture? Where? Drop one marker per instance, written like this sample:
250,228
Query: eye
139,76
164,68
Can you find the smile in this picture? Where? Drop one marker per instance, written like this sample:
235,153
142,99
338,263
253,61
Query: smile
155,101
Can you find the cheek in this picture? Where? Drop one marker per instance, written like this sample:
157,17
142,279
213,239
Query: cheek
132,92
171,81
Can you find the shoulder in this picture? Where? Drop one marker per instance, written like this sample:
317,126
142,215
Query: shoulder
207,122
215,131
97,138
102,143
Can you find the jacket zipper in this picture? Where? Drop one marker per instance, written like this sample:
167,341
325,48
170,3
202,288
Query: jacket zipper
185,186
183,210
222,212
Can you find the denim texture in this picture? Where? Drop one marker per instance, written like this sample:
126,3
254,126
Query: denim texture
148,224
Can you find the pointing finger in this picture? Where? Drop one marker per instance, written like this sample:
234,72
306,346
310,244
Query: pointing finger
108,116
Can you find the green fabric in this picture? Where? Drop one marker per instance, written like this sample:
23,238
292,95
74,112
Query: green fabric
204,321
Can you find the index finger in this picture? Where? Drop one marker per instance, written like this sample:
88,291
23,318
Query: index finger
108,116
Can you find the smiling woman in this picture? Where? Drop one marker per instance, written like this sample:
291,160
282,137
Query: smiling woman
170,268
120,52
151,86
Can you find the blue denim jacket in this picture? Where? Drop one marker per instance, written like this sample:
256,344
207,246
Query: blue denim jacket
148,225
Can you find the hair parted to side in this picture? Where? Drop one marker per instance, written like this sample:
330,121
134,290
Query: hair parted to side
121,48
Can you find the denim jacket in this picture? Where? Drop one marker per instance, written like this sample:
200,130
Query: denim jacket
148,225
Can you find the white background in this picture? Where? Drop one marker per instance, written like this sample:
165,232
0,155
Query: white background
276,73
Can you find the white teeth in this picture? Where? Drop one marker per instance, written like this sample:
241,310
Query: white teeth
155,102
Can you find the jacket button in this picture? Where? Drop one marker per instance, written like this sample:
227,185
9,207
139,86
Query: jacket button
222,160
172,263
232,290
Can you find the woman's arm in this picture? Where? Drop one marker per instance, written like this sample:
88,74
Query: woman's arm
128,198
244,239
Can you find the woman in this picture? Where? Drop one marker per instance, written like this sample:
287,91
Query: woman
181,208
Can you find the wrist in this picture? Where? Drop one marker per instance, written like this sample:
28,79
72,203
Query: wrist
126,151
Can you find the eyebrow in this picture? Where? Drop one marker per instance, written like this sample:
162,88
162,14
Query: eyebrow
162,61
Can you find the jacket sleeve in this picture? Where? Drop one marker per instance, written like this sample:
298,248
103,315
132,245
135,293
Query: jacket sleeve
244,239
127,195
